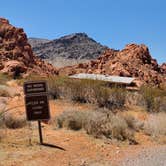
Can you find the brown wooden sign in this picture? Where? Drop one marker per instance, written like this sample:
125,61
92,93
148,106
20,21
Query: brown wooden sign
36,101
37,107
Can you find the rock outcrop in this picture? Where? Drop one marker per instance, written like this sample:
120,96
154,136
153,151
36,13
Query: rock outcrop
133,61
74,46
35,42
16,56
163,68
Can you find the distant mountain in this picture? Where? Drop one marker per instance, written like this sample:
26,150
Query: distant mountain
34,42
74,46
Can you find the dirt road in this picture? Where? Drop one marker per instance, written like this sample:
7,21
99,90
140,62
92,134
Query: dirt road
154,156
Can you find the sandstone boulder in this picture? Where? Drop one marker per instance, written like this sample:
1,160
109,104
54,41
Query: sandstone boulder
132,61
16,54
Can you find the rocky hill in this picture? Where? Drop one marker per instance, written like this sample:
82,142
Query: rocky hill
133,61
163,68
74,46
34,42
16,56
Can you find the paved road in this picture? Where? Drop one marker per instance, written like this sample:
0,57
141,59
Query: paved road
149,157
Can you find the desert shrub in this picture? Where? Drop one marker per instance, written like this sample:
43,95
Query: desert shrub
2,125
4,92
57,85
110,126
118,97
74,120
85,91
78,91
132,122
96,123
31,77
14,122
156,124
102,96
112,98
154,98
160,104
1,119
134,98
4,78
81,91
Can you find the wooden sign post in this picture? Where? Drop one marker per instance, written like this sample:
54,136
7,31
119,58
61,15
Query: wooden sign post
36,103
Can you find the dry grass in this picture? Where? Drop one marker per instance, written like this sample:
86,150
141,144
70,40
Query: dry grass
156,125
6,91
14,122
111,98
85,91
154,99
4,78
71,120
96,123
132,122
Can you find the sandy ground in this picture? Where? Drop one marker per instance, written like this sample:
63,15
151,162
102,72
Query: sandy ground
20,147
154,156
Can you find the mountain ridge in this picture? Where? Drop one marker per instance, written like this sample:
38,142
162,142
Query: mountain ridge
72,46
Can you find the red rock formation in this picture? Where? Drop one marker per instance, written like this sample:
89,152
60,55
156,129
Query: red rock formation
16,54
133,61
163,68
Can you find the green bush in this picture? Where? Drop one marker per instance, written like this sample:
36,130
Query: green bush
154,99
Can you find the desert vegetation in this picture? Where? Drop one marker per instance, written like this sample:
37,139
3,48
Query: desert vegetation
154,99
85,91
156,125
106,120
96,123
4,78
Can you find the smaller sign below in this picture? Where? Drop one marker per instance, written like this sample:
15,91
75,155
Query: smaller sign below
31,88
37,107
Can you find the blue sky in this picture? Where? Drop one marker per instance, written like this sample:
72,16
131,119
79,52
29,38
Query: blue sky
114,23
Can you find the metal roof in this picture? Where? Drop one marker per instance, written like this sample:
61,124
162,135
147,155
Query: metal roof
114,79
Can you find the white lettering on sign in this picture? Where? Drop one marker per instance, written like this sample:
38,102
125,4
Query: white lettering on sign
37,108
36,98
37,85
37,112
41,102
36,89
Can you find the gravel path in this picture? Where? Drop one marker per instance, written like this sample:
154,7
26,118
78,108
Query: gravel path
148,157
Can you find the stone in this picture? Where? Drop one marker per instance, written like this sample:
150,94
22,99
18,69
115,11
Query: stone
16,55
132,61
